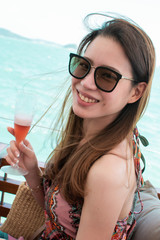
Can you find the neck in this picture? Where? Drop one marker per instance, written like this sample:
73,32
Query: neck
91,127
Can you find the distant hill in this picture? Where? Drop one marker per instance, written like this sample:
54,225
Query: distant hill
71,46
7,33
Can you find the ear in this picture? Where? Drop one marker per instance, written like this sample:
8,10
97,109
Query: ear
137,92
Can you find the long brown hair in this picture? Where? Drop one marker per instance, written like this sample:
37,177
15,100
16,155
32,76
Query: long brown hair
69,164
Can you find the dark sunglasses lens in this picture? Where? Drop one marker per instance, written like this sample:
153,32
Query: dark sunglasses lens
78,67
106,79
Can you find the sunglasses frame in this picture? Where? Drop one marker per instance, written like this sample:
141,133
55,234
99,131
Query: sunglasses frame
119,76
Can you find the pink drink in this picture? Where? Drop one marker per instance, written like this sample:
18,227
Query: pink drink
21,128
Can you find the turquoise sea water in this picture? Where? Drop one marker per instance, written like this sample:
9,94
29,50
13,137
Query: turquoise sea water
41,67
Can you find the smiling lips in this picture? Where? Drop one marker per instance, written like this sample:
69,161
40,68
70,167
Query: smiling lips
87,99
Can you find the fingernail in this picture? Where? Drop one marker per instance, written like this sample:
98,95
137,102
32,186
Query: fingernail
17,154
17,161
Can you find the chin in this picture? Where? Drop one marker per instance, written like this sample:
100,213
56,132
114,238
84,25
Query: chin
79,113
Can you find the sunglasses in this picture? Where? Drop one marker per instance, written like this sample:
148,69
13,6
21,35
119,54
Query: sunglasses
106,79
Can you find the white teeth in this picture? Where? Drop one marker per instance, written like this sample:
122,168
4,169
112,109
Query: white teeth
85,99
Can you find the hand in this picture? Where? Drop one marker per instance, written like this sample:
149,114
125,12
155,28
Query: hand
22,154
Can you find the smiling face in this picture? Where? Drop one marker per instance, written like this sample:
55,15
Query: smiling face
91,103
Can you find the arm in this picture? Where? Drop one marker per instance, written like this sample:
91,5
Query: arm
34,181
25,156
106,193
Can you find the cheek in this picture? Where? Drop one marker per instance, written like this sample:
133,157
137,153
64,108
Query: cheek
116,99
107,98
74,81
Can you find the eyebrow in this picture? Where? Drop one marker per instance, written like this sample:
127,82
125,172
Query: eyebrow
112,68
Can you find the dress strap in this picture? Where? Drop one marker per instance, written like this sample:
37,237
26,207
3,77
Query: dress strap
137,158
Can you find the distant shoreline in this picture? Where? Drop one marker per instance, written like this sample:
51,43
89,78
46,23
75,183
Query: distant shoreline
7,33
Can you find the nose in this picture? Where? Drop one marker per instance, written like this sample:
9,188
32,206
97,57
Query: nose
89,82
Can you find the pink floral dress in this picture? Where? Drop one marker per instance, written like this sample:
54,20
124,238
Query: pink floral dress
62,219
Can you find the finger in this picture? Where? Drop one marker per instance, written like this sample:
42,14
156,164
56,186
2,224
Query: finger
10,161
11,156
27,144
26,149
11,130
14,149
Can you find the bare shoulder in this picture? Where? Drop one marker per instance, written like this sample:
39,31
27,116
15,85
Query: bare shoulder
106,195
116,167
113,175
110,170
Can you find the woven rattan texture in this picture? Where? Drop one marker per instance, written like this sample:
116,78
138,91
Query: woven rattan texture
25,216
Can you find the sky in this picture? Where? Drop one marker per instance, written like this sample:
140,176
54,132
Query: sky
61,21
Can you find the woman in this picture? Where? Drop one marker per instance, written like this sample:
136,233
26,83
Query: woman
92,178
